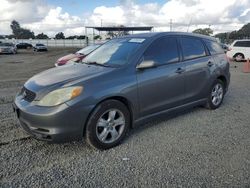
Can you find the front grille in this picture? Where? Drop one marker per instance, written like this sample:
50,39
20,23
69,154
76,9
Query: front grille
28,95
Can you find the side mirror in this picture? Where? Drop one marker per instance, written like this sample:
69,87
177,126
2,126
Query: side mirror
146,65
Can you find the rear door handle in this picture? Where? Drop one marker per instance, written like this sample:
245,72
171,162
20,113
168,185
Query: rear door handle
210,64
180,70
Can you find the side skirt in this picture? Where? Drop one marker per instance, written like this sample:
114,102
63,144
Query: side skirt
168,112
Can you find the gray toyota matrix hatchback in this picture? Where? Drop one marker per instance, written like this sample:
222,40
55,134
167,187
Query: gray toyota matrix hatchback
123,83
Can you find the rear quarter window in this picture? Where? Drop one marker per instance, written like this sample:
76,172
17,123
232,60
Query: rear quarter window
192,48
213,47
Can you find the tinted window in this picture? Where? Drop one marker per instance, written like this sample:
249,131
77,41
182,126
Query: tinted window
242,44
163,50
214,47
192,48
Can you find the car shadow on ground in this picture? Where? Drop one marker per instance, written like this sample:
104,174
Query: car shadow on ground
154,122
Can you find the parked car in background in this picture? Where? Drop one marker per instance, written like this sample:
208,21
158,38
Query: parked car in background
8,48
77,56
40,47
123,83
24,45
239,50
224,47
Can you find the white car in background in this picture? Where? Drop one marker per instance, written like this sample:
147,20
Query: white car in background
239,50
8,48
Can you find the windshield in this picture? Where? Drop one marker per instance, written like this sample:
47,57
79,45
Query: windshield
87,50
115,52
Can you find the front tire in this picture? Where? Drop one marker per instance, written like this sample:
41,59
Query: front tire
107,125
216,95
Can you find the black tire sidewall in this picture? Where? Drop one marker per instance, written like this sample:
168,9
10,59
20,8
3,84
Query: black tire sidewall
209,102
242,57
90,132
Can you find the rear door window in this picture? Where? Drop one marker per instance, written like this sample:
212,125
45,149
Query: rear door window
242,44
162,51
192,48
214,47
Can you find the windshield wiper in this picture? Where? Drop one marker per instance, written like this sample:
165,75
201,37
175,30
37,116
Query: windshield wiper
95,63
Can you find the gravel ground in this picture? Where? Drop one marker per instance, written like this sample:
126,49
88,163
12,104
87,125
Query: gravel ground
199,148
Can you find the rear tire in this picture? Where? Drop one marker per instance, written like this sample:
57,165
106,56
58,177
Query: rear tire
216,95
239,57
107,125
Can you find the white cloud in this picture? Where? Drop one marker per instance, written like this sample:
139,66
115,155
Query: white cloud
24,11
226,14
56,20
37,15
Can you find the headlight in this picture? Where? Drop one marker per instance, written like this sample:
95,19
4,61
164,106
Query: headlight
60,96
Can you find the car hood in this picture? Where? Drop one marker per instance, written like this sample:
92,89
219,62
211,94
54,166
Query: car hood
67,57
57,77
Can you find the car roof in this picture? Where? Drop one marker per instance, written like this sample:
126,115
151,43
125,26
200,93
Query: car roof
156,34
242,40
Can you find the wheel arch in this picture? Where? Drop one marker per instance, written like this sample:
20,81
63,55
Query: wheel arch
223,79
121,99
239,53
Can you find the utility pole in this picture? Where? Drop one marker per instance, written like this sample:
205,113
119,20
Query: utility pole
171,25
189,24
101,26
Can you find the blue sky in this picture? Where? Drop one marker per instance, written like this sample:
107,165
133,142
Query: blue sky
80,7
71,16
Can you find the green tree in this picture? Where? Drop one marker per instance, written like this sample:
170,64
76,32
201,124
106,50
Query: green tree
72,37
60,35
42,36
97,37
81,37
19,32
205,31
242,33
15,26
222,36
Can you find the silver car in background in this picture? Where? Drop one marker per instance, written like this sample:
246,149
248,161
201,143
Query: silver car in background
40,47
8,48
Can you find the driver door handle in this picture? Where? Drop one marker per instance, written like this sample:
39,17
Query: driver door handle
210,64
180,70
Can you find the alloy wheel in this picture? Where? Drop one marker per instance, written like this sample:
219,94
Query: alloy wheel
110,126
217,94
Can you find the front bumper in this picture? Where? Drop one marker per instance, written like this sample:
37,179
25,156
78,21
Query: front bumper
6,51
55,124
42,49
